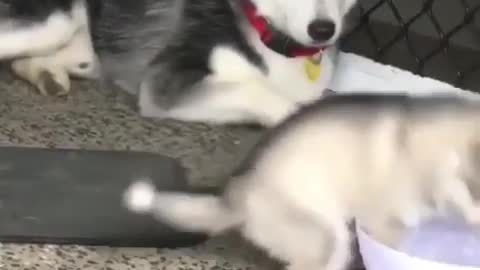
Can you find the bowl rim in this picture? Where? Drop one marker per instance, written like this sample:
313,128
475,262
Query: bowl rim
363,234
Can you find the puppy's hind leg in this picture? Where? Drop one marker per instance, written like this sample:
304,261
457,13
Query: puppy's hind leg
296,237
317,246
341,255
339,260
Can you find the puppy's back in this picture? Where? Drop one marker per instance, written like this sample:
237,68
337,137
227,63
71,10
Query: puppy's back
347,133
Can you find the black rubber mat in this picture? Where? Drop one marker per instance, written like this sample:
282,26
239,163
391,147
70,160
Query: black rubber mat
75,197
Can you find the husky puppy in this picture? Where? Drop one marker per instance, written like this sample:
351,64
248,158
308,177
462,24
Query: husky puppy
385,161
216,61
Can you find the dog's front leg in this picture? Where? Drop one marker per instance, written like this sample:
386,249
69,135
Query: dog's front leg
34,35
234,92
43,74
50,73
224,103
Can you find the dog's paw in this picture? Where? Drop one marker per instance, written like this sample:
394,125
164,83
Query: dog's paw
54,82
147,104
45,76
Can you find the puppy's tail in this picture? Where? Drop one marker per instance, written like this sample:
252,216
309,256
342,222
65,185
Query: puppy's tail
187,212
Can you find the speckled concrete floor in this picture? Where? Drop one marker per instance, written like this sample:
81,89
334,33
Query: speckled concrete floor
93,118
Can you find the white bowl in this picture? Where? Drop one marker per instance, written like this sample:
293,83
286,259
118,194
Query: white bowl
377,256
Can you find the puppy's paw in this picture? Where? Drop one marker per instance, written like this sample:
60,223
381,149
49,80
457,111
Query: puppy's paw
473,217
45,76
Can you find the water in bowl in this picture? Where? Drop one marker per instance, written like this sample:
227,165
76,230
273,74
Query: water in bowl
445,241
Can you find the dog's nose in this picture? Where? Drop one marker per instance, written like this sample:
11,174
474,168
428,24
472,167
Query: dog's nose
321,30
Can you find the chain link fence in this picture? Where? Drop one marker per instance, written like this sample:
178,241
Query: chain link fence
434,38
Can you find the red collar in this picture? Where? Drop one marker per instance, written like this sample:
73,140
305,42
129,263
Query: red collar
274,39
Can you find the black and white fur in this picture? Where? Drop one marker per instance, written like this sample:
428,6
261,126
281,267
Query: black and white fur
48,41
185,59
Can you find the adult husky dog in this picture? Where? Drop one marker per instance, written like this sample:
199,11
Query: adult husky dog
386,161
217,61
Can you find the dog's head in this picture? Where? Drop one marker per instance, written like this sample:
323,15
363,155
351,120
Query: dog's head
309,22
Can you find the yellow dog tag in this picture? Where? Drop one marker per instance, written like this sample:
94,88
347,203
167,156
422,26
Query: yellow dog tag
312,68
